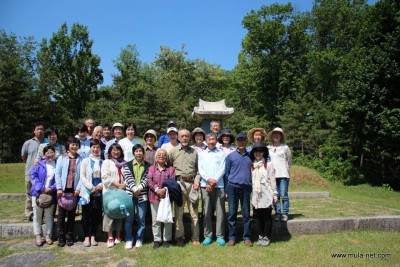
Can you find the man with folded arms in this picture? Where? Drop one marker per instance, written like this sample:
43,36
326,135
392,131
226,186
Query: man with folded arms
212,170
184,160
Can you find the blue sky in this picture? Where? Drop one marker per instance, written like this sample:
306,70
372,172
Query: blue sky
210,30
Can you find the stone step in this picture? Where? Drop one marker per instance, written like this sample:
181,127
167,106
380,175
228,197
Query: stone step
292,227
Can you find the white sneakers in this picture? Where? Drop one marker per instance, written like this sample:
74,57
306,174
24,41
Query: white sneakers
138,244
128,245
110,242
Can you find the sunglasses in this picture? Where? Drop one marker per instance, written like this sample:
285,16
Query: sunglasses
258,150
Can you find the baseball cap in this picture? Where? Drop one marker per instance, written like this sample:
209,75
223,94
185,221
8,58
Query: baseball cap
241,135
172,129
171,122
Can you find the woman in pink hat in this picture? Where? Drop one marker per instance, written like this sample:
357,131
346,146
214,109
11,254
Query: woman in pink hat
281,158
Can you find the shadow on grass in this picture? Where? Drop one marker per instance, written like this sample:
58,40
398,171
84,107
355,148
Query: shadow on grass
295,215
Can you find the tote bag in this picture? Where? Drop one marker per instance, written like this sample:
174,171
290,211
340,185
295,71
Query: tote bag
164,213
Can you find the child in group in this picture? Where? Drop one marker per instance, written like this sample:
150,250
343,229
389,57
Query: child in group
281,158
264,191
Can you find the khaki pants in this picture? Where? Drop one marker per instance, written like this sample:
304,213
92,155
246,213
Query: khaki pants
28,201
110,224
214,200
193,210
156,226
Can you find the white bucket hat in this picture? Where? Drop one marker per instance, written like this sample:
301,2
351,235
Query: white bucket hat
277,129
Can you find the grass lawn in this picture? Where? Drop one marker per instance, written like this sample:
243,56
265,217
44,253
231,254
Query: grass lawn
12,178
302,250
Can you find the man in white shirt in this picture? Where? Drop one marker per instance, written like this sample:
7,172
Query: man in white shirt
212,169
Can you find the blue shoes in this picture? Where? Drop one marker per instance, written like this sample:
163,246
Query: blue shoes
220,241
207,241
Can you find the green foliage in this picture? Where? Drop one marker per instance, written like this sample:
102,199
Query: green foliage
20,104
68,70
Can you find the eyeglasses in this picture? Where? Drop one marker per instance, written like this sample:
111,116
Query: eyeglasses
258,150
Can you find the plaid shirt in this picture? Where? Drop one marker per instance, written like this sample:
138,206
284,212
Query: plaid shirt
155,179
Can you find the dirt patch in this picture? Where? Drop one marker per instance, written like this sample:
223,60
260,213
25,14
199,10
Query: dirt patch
301,175
125,262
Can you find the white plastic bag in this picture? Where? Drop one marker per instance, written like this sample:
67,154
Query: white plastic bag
164,213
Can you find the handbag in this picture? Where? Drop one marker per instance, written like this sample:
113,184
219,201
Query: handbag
68,201
44,200
164,213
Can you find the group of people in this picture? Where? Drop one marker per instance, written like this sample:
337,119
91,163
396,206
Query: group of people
211,170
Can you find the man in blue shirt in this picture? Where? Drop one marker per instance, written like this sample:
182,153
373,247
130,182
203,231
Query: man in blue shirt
238,188
211,164
164,138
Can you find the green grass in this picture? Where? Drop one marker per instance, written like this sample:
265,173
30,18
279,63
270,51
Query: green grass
302,250
328,207
12,210
12,178
306,180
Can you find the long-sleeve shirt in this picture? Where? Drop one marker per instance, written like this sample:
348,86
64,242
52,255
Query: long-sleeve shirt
237,169
184,162
281,157
127,145
136,180
212,165
155,179
109,174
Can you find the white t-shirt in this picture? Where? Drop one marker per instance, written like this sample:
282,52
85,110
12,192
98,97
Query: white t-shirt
50,171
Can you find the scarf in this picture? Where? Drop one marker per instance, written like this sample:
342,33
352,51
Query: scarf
96,167
119,163
257,173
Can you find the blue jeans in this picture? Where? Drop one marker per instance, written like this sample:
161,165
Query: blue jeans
234,196
282,185
142,208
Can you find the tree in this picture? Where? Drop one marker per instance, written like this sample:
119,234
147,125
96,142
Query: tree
68,70
19,101
368,112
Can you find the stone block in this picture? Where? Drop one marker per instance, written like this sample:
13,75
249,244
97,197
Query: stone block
322,194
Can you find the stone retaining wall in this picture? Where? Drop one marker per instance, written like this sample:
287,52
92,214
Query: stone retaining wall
292,227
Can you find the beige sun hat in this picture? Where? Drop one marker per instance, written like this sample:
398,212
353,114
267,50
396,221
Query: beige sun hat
198,130
250,134
152,132
117,124
277,129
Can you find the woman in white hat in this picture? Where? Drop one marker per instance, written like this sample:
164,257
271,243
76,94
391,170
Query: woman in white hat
281,158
